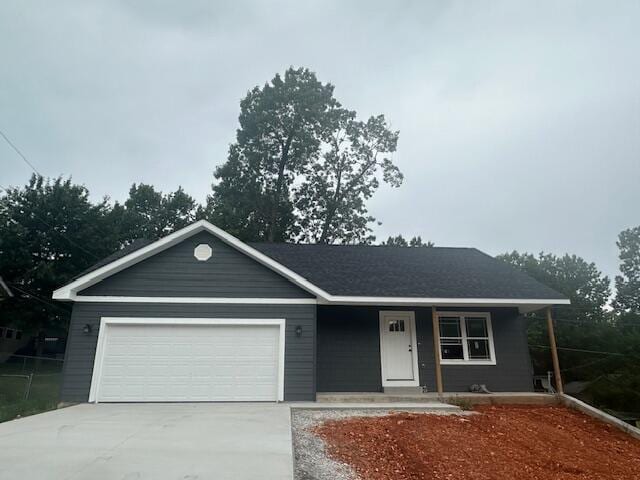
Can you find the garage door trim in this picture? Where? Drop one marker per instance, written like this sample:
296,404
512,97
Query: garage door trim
106,321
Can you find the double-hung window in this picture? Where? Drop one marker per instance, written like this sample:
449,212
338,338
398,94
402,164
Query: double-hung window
466,338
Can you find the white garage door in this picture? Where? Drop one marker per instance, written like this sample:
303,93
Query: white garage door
194,362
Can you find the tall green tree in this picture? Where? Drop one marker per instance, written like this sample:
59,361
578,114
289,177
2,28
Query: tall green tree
281,125
332,199
302,166
49,232
627,300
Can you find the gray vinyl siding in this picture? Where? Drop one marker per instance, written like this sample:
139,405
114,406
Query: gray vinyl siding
513,371
348,349
349,352
299,375
175,272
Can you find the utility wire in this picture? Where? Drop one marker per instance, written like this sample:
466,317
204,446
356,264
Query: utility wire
607,379
569,321
17,150
580,350
588,364
36,297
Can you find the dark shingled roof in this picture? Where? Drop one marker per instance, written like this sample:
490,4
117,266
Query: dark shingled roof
382,271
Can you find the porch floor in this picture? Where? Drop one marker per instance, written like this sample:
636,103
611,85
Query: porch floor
410,406
530,398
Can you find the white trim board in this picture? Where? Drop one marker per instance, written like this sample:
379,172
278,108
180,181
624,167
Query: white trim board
526,304
106,321
194,300
443,302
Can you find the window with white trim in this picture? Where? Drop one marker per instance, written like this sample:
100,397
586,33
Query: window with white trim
466,338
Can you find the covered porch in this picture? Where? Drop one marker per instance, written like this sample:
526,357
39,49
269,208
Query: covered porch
385,352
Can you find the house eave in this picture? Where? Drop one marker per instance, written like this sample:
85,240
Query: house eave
524,305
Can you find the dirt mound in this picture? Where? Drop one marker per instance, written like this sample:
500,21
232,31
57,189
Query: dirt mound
500,442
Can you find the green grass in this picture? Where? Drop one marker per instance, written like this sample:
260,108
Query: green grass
25,408
43,395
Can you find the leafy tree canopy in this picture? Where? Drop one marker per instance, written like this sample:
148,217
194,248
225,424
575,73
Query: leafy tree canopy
588,291
628,284
49,232
302,166
581,281
281,126
400,241
332,200
148,213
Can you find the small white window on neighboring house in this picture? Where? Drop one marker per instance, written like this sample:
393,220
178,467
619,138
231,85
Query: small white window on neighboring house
203,252
466,338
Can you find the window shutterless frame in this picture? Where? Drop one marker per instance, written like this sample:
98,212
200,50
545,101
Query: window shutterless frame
465,347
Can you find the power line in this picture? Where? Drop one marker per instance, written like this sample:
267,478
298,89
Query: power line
627,388
565,321
580,350
17,150
569,321
588,364
36,297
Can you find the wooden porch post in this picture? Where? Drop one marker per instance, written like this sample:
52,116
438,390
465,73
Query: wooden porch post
554,352
436,349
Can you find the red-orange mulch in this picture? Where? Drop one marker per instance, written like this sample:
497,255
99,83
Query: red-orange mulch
501,442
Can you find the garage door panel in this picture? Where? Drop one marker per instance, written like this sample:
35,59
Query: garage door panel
189,363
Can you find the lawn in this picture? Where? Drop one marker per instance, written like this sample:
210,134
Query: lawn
44,391
496,442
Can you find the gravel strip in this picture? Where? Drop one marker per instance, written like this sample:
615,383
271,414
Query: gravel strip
310,458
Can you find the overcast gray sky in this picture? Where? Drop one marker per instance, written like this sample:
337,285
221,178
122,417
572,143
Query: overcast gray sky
519,121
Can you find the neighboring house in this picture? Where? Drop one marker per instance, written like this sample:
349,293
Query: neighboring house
201,316
11,338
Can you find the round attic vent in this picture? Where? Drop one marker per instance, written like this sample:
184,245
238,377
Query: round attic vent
203,252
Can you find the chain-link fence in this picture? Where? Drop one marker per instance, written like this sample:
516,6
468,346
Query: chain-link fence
28,384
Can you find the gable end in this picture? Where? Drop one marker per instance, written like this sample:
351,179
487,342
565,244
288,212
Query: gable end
177,272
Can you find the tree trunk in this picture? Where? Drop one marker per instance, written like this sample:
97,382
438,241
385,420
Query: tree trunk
336,199
331,211
284,159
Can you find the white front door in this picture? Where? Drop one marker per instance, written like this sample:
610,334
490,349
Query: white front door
398,349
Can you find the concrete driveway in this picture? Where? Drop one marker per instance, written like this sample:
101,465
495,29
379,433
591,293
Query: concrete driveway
150,441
